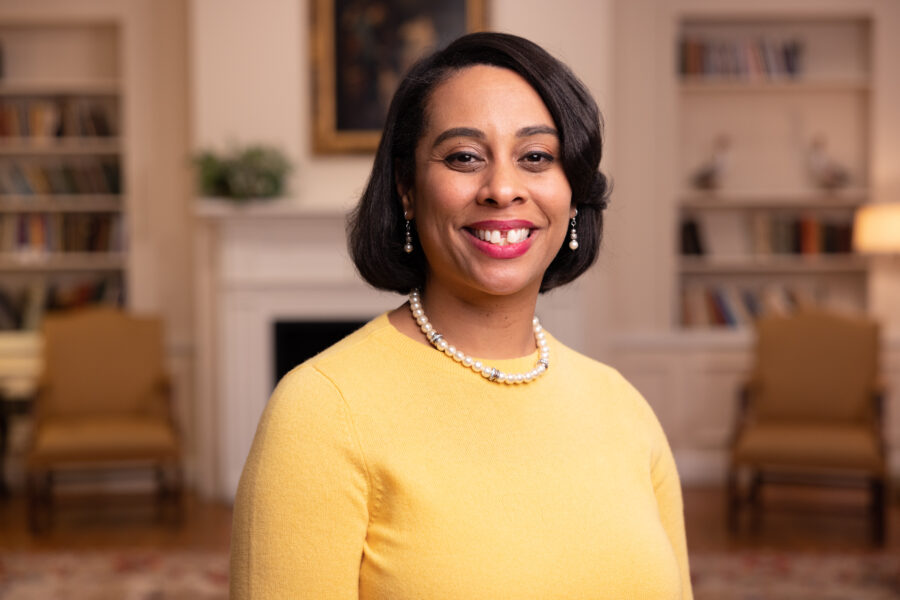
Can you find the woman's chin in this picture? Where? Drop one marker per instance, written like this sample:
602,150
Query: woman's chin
508,284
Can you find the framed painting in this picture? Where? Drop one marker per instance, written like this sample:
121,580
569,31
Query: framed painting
361,49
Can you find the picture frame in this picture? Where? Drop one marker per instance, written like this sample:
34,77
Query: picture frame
361,49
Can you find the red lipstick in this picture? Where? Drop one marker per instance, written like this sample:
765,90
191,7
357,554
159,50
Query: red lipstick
505,251
502,225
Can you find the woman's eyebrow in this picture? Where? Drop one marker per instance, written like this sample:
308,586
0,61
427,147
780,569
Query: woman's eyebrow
471,132
536,130
459,132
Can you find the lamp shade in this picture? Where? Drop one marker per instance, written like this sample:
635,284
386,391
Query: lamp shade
876,229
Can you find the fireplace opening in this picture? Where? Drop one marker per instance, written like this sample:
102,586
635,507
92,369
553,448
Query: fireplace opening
297,341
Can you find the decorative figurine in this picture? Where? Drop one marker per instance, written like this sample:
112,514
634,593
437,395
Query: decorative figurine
709,175
825,172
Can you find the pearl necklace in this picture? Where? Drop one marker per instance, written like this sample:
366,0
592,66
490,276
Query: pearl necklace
489,373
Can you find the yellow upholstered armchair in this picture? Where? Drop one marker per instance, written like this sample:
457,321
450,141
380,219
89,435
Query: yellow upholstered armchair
811,412
103,404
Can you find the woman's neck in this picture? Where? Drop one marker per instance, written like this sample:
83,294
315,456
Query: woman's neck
480,325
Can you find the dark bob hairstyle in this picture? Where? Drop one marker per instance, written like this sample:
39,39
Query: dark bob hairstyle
376,227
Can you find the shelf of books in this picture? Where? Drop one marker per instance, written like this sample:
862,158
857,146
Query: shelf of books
774,134
62,204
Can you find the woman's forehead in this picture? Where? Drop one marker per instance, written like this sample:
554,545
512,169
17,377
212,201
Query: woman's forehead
485,98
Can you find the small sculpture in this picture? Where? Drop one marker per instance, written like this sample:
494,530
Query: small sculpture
709,175
825,172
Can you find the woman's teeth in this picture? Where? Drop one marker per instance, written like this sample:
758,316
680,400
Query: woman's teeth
502,238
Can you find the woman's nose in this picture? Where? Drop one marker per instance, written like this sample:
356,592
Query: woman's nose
502,186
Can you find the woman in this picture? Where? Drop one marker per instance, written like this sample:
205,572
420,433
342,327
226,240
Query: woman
487,460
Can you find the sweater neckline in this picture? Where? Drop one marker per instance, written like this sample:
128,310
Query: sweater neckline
413,348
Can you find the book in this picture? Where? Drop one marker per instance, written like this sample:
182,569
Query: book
34,305
726,234
691,241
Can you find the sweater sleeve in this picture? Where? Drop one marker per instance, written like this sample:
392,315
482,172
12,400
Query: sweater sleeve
667,487
301,510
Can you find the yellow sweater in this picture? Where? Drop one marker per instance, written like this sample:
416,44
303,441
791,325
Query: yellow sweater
383,470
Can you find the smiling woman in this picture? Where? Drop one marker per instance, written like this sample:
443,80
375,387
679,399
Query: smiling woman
466,453
487,169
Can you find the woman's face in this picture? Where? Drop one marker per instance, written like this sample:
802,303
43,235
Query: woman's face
491,202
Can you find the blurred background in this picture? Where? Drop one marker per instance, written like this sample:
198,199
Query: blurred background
192,162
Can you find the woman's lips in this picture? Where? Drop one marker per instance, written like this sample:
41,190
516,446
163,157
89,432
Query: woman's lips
502,239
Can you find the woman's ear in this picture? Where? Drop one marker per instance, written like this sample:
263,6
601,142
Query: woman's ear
405,199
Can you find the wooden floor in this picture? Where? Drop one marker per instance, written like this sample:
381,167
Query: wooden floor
793,519
106,523
804,520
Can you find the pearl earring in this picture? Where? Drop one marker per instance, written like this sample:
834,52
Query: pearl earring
573,237
408,246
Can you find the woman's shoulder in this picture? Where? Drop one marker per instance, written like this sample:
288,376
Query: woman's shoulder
583,366
604,380
360,351
374,334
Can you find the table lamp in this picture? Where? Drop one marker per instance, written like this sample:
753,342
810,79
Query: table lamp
876,229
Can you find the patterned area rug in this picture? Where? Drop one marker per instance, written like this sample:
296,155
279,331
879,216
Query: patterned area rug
156,575
788,576
136,575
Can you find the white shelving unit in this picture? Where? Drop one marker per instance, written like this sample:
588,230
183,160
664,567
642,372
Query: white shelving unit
767,238
62,173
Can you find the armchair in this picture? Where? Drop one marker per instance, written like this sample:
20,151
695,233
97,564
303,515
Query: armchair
811,412
103,404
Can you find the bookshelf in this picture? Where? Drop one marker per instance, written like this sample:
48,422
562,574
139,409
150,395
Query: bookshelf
62,191
772,128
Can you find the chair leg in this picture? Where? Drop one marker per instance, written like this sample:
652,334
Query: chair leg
732,500
39,497
32,497
878,510
169,495
177,495
753,499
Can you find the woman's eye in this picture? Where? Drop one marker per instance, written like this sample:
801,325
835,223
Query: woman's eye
537,159
465,160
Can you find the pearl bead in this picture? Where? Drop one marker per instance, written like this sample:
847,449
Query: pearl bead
573,245
486,371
